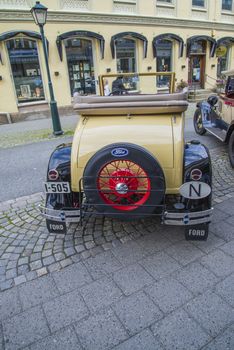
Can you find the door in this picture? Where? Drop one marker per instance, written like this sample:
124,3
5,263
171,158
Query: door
197,71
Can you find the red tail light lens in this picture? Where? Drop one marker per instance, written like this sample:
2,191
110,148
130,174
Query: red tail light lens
53,175
196,174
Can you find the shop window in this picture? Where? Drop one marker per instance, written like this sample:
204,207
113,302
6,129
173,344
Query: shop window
166,1
126,61
198,3
80,66
164,62
222,63
23,55
227,5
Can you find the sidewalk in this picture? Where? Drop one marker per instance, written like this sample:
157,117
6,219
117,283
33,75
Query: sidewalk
34,130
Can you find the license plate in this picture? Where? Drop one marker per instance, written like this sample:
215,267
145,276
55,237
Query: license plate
57,187
197,232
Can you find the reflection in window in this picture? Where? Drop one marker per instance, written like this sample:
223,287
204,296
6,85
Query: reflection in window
168,1
198,47
227,5
198,3
25,68
80,66
222,64
126,61
164,62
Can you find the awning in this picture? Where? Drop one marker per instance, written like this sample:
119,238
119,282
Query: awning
128,34
226,41
13,33
168,36
196,38
79,34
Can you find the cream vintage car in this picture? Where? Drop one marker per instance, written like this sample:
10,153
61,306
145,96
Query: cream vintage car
128,160
216,115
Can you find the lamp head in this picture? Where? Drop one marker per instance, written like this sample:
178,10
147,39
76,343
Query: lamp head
39,13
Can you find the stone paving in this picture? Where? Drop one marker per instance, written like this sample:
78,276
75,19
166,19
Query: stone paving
112,284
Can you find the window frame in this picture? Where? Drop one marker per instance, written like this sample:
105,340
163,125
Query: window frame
225,10
197,7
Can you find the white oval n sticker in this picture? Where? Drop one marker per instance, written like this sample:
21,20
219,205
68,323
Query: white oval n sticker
195,190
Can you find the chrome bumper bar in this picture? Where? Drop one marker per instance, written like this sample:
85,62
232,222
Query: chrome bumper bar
186,219
60,215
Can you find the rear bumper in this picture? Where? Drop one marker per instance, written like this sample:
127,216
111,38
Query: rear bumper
188,218
63,215
169,218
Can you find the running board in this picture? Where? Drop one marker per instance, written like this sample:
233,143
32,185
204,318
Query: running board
219,133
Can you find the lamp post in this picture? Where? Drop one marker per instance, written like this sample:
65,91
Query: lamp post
39,13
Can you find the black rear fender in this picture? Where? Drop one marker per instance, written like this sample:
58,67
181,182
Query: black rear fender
60,160
196,156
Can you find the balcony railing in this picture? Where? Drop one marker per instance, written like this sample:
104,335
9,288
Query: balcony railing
79,5
16,4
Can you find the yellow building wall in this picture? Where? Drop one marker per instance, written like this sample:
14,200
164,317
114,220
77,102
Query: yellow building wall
119,23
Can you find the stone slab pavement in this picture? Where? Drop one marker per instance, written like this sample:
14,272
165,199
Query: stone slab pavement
117,285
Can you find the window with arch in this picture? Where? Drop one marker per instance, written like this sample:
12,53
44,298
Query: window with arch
126,60
25,67
80,65
164,62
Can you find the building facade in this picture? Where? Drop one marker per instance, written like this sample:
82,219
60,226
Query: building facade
86,38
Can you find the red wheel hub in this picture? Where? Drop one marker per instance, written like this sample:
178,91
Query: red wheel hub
123,184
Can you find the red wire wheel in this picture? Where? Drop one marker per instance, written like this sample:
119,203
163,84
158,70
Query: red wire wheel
123,184
124,181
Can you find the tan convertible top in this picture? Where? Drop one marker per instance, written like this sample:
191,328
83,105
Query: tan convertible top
131,104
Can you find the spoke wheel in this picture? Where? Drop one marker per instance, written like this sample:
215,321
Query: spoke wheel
197,122
123,184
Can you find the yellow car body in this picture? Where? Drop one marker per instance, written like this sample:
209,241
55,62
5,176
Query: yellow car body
162,135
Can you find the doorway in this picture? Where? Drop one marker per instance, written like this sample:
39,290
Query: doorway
196,73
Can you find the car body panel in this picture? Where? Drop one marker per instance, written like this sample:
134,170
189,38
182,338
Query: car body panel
163,139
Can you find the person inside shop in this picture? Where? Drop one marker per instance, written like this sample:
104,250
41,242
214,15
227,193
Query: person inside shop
118,86
106,88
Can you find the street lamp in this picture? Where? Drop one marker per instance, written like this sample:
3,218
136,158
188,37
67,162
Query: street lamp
39,13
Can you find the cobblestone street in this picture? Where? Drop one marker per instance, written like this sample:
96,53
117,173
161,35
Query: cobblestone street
85,290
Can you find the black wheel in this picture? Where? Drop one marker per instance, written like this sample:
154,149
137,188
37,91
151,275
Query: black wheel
231,149
197,122
124,181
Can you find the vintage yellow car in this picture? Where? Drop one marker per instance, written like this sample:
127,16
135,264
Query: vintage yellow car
216,115
128,160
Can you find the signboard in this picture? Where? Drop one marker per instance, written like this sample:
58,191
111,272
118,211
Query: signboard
221,51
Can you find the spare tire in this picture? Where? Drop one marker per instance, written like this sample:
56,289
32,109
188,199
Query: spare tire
124,181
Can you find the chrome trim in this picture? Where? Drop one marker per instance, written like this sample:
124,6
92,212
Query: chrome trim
60,215
191,218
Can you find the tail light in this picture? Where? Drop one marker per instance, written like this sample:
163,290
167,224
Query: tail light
53,175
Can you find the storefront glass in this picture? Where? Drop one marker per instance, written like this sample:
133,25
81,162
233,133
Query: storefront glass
126,61
23,55
80,66
222,63
164,62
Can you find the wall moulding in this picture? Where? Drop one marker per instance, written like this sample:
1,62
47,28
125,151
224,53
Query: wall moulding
63,17
16,4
